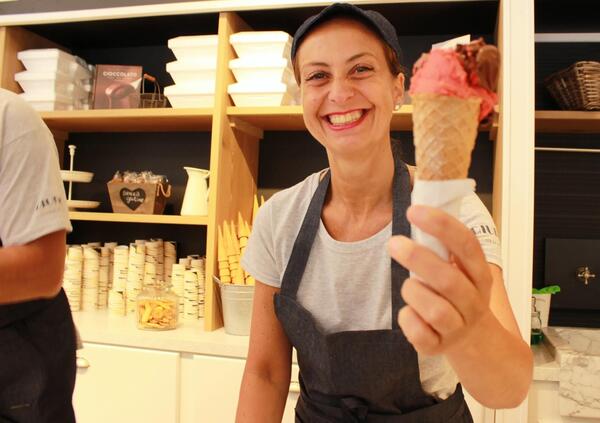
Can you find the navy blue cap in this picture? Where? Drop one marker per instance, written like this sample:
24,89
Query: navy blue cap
374,20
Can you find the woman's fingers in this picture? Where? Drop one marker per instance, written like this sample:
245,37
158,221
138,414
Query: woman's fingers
442,277
418,332
458,239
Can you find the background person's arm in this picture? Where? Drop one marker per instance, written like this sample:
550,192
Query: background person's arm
34,270
266,380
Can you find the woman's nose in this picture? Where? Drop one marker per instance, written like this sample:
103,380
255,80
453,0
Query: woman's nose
340,91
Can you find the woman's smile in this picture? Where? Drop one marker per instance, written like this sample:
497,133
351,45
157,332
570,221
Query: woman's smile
345,120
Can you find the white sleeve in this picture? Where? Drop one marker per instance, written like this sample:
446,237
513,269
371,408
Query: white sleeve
475,216
259,257
32,196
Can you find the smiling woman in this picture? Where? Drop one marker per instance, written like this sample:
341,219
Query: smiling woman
372,343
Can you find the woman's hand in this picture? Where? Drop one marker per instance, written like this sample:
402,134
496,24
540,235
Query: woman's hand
448,305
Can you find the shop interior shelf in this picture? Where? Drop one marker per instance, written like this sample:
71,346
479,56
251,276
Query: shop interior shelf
565,121
139,218
129,120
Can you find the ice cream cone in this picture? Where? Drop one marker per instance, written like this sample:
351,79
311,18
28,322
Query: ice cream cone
445,129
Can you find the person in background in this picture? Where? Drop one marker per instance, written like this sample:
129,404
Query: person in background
373,344
37,335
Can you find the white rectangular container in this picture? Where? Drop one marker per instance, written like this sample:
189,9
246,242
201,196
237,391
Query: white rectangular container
261,44
54,60
45,103
184,97
250,70
195,48
48,83
198,74
260,95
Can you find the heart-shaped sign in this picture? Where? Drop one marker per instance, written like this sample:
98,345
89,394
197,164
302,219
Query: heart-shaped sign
133,199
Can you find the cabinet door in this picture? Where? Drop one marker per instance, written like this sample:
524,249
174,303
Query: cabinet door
120,384
210,387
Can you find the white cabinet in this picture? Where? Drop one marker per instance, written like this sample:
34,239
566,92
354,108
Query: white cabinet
122,384
210,388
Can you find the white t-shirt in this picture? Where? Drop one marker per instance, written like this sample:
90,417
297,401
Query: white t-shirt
347,285
32,196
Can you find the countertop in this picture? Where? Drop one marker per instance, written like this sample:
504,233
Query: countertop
189,337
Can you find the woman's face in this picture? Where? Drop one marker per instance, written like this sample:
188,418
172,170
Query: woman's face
348,90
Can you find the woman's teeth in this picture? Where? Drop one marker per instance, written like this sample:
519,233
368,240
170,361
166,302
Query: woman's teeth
346,118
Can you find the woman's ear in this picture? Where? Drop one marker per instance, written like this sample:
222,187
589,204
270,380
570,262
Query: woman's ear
399,89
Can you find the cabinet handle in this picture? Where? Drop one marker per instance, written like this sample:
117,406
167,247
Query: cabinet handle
82,363
295,387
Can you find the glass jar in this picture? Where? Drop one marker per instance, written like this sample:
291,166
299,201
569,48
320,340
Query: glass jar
536,324
157,308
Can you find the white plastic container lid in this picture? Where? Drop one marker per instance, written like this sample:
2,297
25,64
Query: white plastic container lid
189,66
46,97
251,62
193,41
190,90
42,76
253,37
257,88
45,53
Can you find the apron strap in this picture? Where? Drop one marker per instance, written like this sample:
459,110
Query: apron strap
303,244
401,191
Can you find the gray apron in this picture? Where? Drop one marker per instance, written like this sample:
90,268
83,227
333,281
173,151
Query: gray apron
358,376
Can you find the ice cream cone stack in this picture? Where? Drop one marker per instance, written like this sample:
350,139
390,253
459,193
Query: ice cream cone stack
254,209
222,259
445,129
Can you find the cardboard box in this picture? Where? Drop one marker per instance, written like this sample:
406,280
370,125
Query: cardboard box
117,87
138,198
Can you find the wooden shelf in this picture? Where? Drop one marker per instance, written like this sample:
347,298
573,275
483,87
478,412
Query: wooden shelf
560,121
139,218
129,120
289,118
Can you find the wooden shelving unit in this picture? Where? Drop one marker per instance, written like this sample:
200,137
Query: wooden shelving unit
129,120
139,218
289,118
559,121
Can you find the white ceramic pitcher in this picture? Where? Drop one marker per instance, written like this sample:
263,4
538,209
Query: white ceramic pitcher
195,199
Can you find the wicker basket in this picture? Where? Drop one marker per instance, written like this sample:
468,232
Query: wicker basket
577,87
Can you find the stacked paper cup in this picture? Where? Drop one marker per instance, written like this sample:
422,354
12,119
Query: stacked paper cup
263,69
194,72
103,277
190,295
91,277
160,259
198,266
186,261
111,247
73,276
170,248
116,295
177,281
135,273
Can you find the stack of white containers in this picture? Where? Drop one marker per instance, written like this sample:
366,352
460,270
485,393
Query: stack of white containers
263,69
54,80
194,72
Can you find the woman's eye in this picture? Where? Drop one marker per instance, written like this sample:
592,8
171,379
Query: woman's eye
362,69
316,76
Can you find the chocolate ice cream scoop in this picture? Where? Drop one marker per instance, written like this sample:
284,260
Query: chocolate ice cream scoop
482,62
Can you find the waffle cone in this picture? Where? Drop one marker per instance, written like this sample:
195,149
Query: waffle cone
444,129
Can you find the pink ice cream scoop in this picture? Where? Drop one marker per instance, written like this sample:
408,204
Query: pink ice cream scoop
468,71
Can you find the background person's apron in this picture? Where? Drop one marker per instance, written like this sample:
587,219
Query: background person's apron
366,375
37,362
